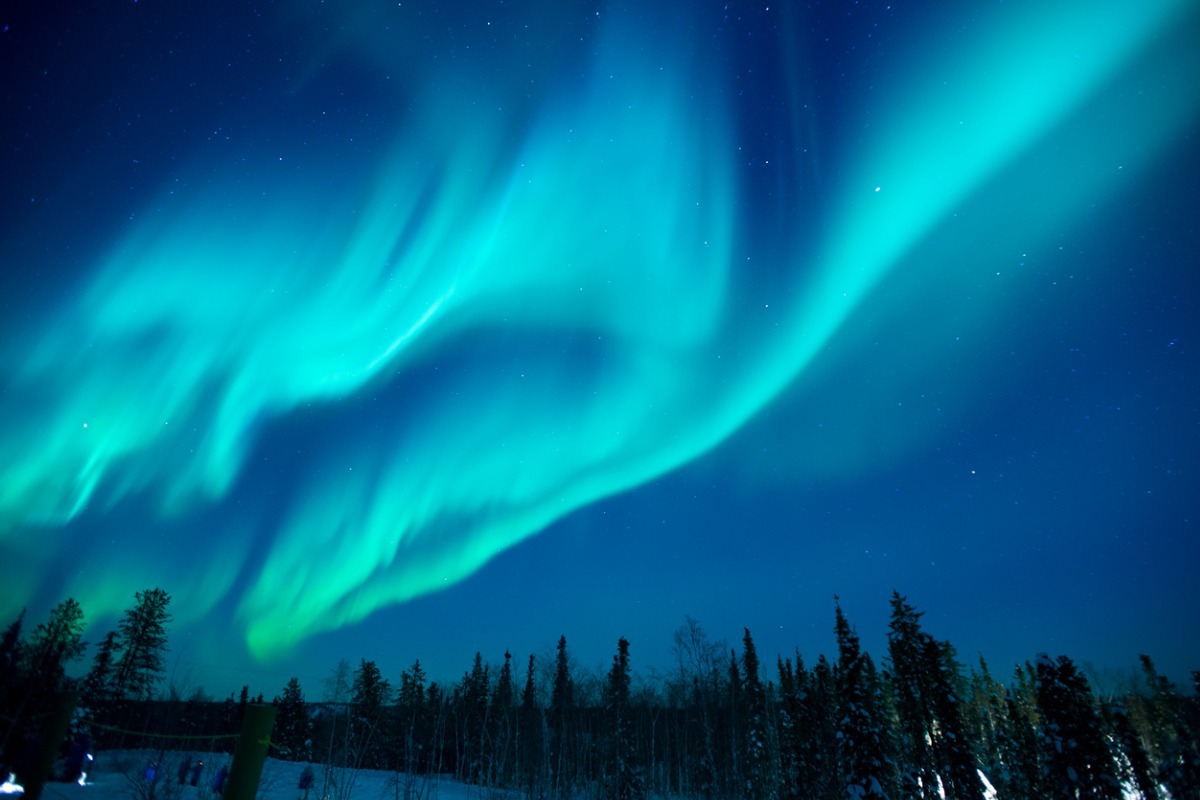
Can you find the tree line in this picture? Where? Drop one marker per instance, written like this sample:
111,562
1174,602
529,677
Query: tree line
720,725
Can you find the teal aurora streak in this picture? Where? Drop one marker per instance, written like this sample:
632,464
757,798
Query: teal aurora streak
585,271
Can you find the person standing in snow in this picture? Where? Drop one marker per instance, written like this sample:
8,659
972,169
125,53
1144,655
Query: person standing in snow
81,744
197,768
306,781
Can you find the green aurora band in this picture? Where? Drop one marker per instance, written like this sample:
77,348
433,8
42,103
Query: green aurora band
562,313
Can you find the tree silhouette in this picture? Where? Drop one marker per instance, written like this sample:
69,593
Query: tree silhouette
293,726
622,780
142,643
866,770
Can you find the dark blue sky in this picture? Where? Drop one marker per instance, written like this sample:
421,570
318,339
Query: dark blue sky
399,331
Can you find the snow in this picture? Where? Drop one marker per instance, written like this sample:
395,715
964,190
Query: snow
989,791
118,775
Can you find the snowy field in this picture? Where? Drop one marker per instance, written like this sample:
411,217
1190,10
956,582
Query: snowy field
121,775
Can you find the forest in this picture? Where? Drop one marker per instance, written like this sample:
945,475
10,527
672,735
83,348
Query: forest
721,724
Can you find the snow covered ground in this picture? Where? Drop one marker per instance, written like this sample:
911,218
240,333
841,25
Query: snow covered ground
121,775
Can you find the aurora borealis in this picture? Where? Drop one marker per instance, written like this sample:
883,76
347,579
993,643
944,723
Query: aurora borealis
342,322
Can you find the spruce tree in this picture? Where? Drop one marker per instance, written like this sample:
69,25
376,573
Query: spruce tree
505,692
97,693
804,723
953,746
1023,753
1076,760
935,748
55,643
369,694
987,718
435,721
622,780
502,725
759,779
473,706
789,732
822,745
562,706
293,726
916,729
532,740
413,732
735,714
866,772
142,642
882,712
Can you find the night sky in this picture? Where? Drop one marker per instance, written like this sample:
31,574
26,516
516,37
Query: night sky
409,330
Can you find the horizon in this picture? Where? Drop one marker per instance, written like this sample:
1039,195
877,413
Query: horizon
185,678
